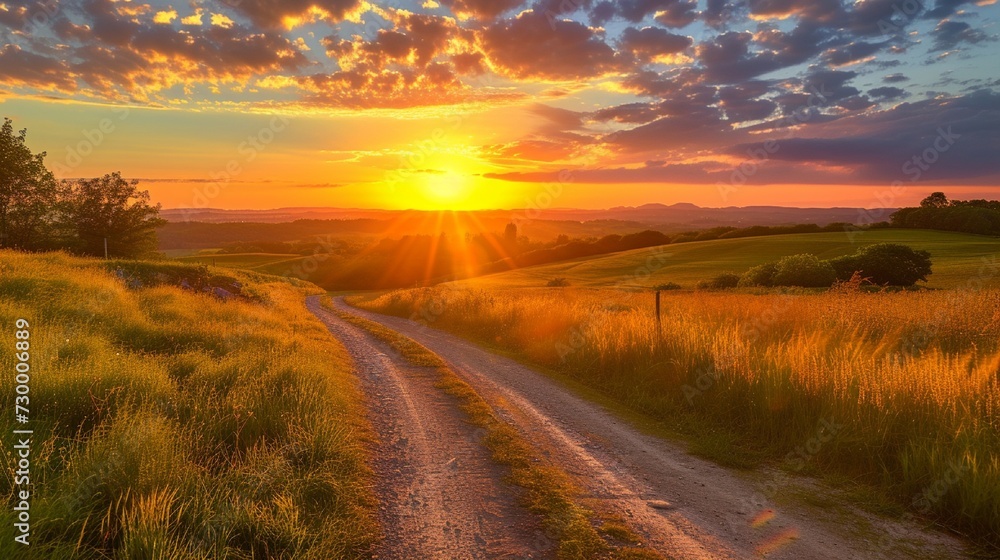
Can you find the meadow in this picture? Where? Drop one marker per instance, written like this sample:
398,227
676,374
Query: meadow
910,380
954,255
171,424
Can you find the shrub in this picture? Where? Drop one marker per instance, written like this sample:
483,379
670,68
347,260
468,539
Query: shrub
804,270
761,275
720,282
885,264
557,283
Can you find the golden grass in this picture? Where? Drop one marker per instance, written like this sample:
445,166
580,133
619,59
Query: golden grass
913,377
548,490
169,424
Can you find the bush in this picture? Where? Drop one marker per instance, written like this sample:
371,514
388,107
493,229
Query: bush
885,264
720,282
806,271
558,283
761,275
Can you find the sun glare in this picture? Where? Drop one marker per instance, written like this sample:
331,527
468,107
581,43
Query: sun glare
448,189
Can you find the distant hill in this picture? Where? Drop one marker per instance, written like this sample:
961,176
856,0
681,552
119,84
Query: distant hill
672,217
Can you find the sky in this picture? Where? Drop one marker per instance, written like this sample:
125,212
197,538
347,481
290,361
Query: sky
469,104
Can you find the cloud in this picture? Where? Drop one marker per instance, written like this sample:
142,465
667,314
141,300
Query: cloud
531,46
851,53
481,9
286,13
651,43
878,146
888,93
23,68
949,34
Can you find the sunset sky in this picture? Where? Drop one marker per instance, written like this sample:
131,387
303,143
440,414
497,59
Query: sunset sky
466,104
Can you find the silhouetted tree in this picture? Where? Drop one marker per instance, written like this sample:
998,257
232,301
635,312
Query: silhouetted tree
510,234
935,200
28,192
112,208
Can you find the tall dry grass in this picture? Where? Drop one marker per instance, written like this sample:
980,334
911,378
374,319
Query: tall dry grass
169,424
913,378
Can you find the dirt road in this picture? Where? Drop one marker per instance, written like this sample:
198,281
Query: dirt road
683,506
441,495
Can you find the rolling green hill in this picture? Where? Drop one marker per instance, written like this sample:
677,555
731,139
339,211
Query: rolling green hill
957,258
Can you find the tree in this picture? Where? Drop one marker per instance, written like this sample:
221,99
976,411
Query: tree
760,275
510,234
804,270
885,264
935,200
28,192
114,209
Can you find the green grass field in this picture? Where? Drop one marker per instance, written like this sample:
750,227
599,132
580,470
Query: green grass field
248,261
956,257
171,424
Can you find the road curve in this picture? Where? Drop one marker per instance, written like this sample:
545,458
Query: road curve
683,506
440,494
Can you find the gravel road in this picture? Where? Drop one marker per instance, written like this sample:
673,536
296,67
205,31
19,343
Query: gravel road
683,506
440,494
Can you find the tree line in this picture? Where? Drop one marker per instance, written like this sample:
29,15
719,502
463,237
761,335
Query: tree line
104,215
937,212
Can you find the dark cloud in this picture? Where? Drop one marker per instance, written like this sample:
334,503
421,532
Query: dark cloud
895,78
23,68
949,34
650,42
953,138
945,8
533,46
728,58
850,53
677,14
741,102
888,93
670,13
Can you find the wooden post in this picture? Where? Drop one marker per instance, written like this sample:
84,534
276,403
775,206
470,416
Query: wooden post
659,326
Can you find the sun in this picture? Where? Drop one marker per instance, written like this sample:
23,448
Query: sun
448,189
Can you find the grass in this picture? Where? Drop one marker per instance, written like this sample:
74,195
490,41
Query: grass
956,257
250,261
169,424
548,490
898,391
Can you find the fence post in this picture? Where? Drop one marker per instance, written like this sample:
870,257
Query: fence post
659,326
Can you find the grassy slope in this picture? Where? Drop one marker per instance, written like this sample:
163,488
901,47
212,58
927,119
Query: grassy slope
954,255
252,261
169,424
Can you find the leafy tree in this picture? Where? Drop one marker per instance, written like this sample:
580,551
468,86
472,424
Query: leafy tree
804,270
112,208
935,200
760,275
28,192
720,282
885,264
